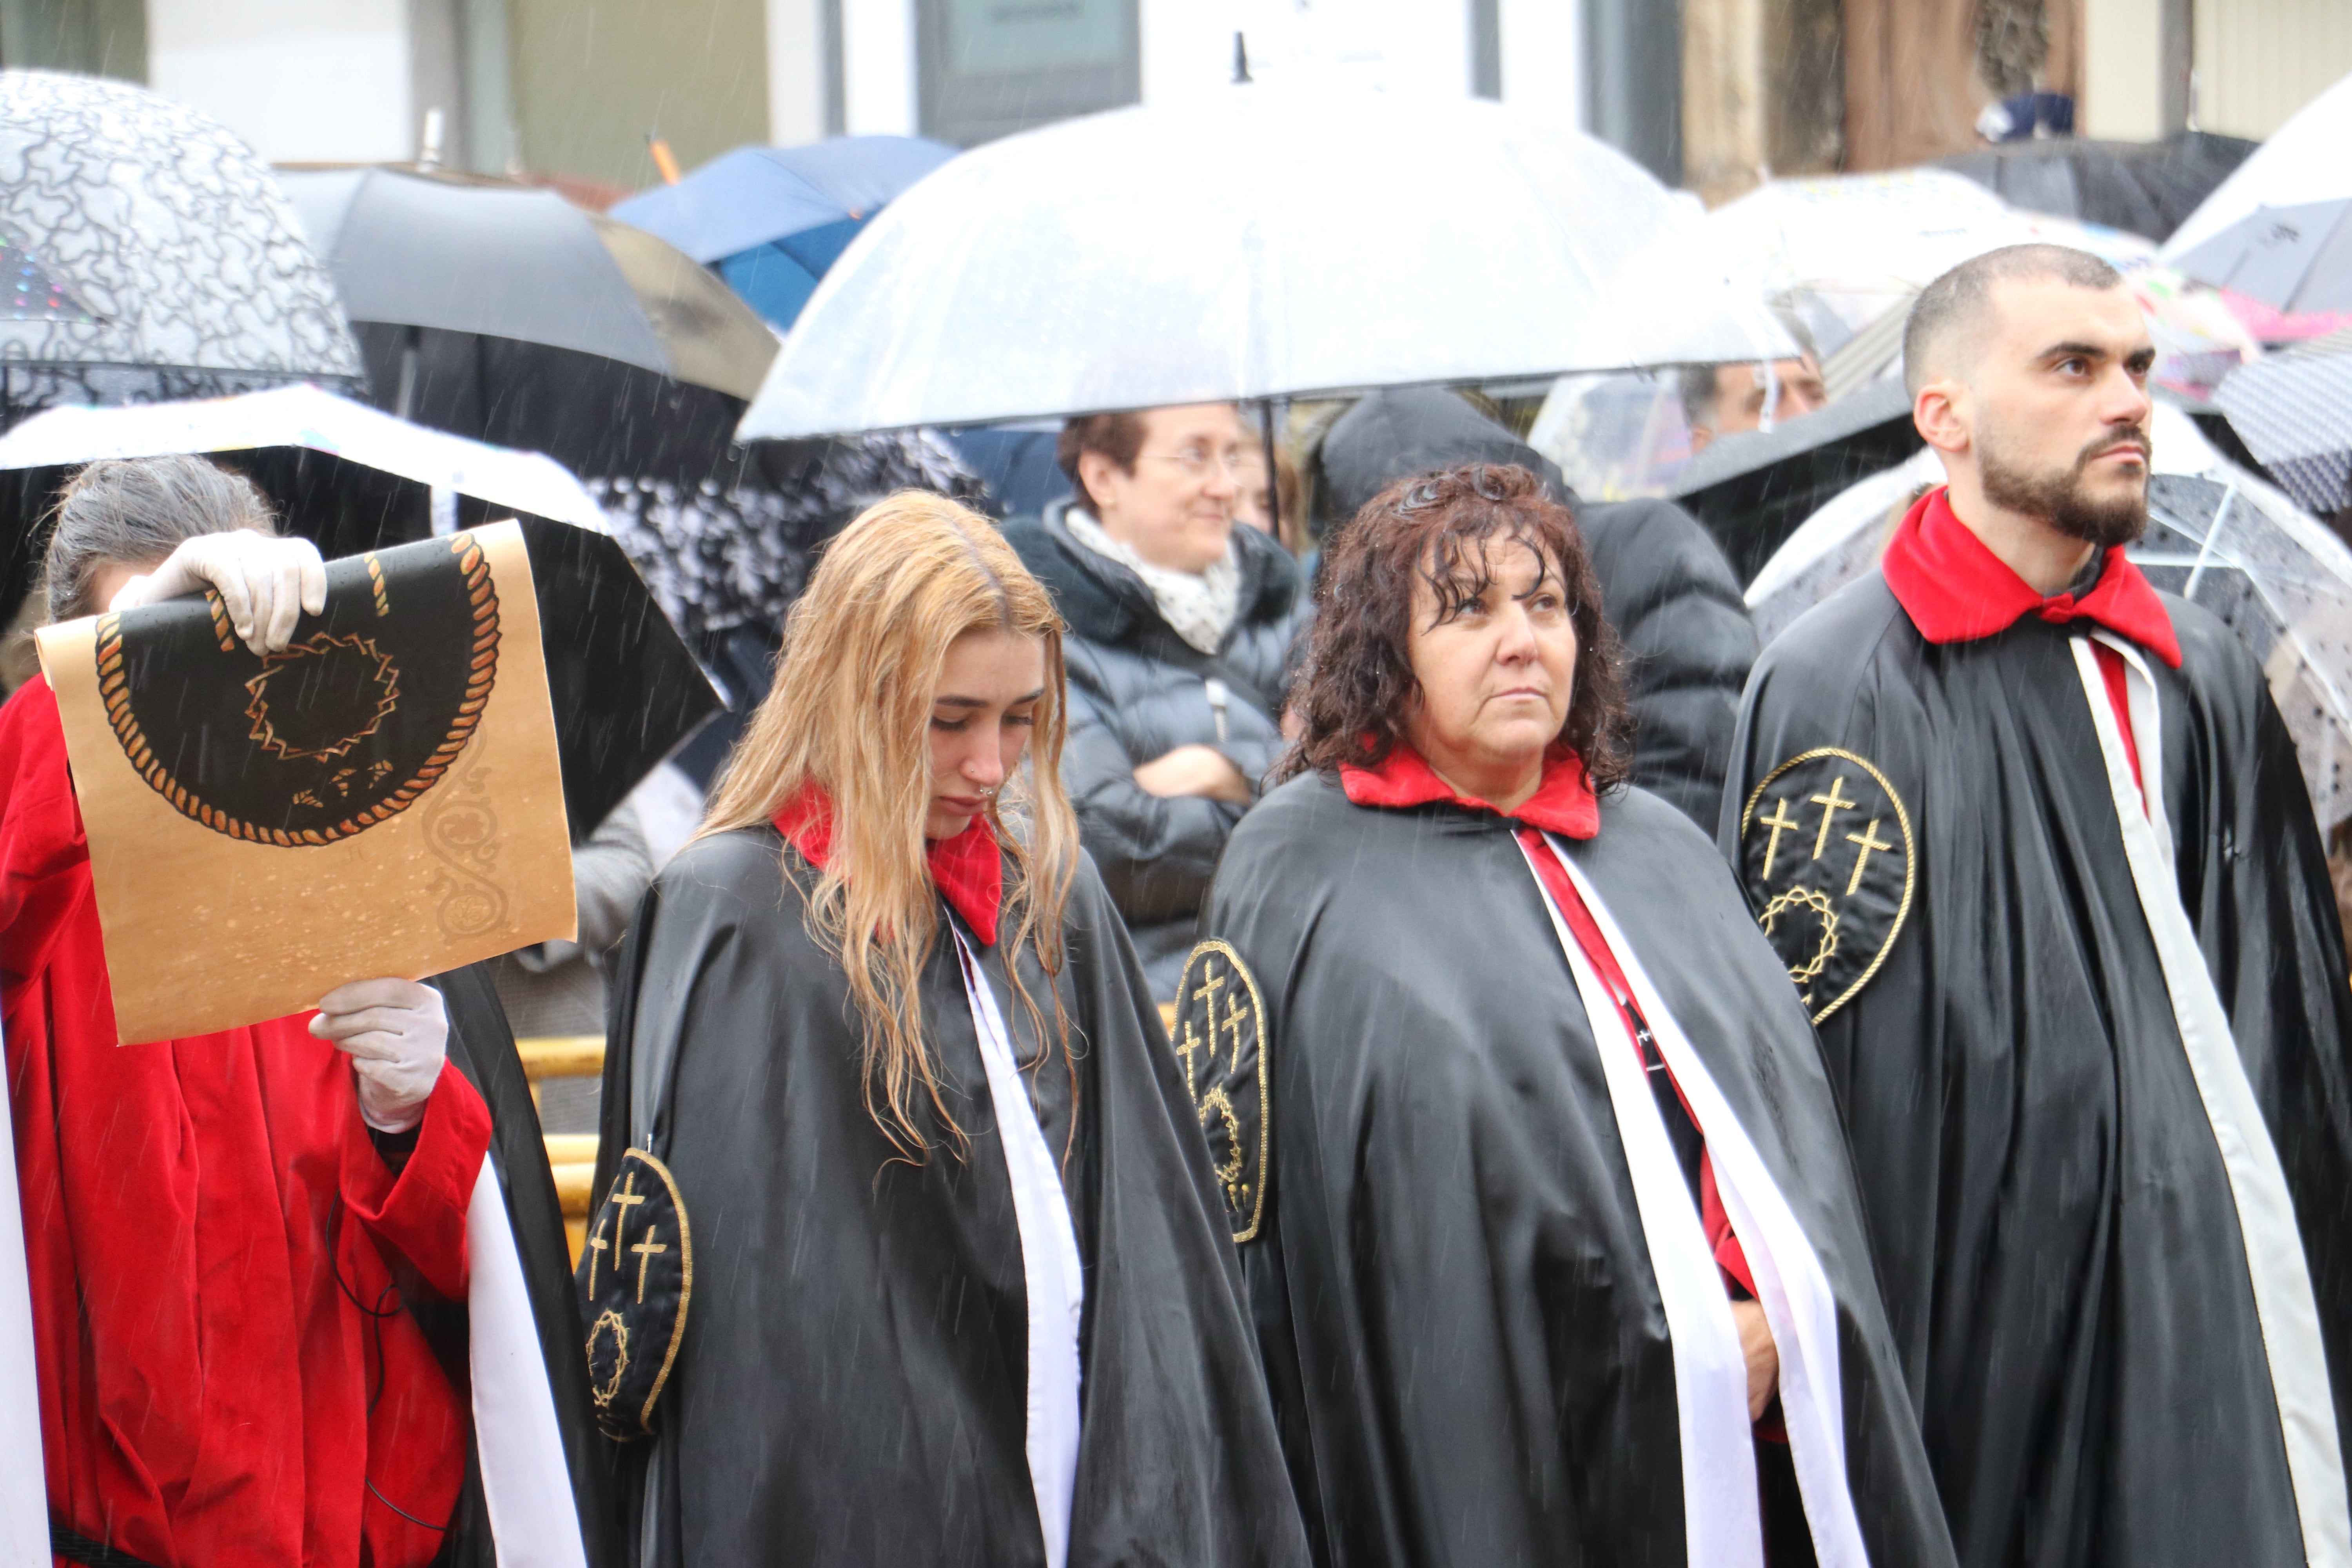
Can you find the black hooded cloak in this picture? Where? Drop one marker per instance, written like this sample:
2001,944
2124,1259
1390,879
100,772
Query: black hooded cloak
2063,1265
850,1388
1464,1331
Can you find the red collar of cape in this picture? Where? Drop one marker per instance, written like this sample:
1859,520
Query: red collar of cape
1563,803
968,870
1955,589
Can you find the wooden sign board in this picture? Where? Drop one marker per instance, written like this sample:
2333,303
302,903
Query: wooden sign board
382,797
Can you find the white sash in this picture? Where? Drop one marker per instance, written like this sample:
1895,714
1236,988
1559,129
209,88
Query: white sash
526,1484
2275,1265
23,1484
1720,1513
1049,1262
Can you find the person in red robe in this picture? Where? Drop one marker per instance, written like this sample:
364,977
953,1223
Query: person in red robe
223,1235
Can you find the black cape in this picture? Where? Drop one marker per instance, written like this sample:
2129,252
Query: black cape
482,1048
1468,1353
851,1385
2062,1259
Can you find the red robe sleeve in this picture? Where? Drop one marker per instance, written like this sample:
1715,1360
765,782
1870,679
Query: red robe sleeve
420,1213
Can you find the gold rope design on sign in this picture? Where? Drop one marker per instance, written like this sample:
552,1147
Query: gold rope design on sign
1910,854
114,692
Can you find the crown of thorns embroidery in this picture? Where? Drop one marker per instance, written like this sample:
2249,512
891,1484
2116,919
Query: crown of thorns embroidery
384,678
1824,950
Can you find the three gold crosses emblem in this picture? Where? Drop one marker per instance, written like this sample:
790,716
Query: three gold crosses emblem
1236,1016
1867,841
627,1198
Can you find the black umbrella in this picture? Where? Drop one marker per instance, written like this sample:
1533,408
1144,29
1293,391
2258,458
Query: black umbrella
149,255
2147,187
626,692
2294,411
1752,489
505,314
2295,259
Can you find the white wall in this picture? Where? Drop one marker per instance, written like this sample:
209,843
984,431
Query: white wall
301,80
877,67
1543,74
2258,61
796,72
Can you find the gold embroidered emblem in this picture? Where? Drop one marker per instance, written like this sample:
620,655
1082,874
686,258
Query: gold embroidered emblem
1220,1034
637,1279
1828,858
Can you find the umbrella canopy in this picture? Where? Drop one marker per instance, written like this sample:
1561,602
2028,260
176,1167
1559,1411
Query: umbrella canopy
151,254
2297,259
2294,411
1259,244
756,196
2302,161
2217,534
1846,250
1754,488
2142,187
773,219
625,691
505,315
461,256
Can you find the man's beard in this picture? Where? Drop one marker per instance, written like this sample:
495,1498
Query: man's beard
2063,500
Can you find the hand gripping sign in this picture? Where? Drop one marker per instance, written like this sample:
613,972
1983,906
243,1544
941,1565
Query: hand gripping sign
381,797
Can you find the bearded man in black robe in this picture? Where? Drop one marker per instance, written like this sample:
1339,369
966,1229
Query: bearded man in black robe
2032,839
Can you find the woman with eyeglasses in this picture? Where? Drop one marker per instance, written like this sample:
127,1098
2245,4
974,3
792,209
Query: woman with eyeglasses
1180,627
955,1296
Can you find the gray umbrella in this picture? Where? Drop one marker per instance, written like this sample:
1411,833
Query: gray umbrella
444,253
2294,411
163,262
2295,259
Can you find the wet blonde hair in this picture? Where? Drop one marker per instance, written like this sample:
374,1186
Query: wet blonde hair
850,712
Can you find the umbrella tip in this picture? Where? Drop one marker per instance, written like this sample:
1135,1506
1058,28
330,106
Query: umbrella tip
1241,59
665,162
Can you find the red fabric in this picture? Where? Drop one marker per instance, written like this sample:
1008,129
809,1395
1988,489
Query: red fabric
969,868
1563,802
1955,589
1729,1256
2112,672
209,1394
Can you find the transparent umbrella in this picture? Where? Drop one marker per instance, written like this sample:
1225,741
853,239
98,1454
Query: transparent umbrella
2216,535
1257,244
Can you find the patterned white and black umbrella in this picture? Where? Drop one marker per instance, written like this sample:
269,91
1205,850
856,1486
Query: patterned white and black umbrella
2294,411
148,256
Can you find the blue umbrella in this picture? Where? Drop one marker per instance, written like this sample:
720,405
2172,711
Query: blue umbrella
773,218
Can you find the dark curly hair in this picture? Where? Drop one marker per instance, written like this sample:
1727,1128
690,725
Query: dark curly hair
1358,683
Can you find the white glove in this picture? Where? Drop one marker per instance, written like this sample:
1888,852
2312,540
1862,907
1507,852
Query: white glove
396,1033
266,583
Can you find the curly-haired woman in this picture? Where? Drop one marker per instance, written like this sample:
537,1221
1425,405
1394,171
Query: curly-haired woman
1558,1259
957,1297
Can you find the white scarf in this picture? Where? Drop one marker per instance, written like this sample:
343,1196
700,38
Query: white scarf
1200,608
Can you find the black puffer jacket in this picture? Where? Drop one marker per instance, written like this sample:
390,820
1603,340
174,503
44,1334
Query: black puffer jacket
1138,691
1665,585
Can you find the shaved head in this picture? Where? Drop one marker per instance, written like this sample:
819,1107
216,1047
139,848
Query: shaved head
1954,315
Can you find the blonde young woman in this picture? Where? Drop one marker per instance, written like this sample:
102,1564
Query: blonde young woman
956,1297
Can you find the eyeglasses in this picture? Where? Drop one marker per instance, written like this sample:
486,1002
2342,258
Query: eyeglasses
1196,461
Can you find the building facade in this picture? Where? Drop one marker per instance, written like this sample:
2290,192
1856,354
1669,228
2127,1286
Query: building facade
1713,94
